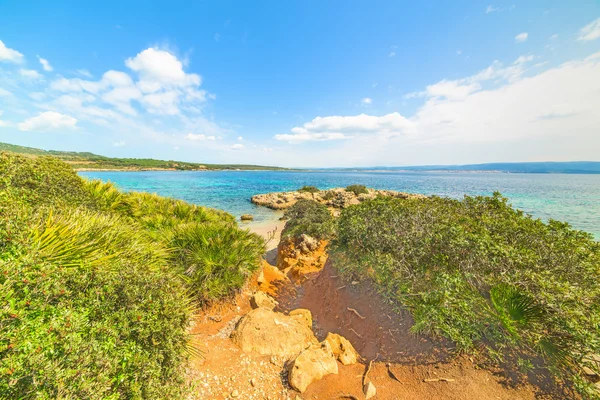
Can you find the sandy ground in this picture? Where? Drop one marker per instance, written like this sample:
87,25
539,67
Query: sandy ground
225,372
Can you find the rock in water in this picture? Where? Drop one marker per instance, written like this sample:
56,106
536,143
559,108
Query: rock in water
369,390
247,217
261,299
342,349
311,365
271,333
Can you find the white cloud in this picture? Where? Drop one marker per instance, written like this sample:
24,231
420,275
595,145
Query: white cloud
590,31
237,146
30,74
84,72
119,144
392,54
554,37
48,120
199,137
45,64
240,138
491,9
458,52
367,100
37,96
9,55
154,65
5,93
550,115
338,127
521,37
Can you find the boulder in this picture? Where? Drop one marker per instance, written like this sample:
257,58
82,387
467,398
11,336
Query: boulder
261,299
246,217
369,390
307,244
312,364
272,333
342,349
303,315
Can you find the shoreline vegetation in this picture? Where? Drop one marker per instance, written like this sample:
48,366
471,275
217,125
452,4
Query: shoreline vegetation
85,161
99,286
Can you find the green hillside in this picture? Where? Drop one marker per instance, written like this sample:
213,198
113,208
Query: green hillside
91,161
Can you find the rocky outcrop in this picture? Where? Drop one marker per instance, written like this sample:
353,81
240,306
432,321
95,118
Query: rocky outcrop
261,299
334,198
272,333
300,256
312,364
342,349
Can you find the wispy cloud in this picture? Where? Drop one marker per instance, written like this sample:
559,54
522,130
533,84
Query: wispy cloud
590,31
45,64
10,55
521,37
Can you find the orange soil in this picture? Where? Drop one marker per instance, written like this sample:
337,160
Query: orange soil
225,372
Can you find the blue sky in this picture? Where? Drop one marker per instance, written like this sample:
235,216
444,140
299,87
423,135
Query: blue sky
304,83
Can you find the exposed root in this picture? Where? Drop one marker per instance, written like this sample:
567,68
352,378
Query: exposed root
391,373
438,380
356,333
366,375
356,312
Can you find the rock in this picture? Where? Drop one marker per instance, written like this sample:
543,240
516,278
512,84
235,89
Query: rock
271,333
261,277
307,244
304,314
234,394
253,382
246,217
261,299
342,349
336,198
300,256
369,390
311,365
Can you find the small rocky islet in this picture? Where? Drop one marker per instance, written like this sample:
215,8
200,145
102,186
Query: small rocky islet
337,198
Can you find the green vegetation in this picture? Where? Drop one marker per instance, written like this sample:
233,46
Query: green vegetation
308,217
357,189
309,189
482,274
97,286
91,161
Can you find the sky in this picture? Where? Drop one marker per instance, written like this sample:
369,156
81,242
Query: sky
304,83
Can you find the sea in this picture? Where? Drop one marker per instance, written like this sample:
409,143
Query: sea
566,197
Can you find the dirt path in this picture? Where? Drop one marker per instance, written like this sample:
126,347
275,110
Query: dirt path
405,364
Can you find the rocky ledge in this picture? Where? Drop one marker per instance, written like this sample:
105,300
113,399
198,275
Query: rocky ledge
334,198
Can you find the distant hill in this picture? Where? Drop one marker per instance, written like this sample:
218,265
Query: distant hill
84,161
549,167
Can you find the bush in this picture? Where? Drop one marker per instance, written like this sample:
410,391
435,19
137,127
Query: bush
309,189
217,258
309,217
357,189
480,273
96,301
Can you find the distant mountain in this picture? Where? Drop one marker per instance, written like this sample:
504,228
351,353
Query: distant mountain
549,167
84,161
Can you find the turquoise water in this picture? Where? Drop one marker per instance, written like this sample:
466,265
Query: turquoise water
571,198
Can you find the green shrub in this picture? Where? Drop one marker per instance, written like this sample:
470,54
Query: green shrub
93,287
480,273
357,189
309,217
217,258
309,189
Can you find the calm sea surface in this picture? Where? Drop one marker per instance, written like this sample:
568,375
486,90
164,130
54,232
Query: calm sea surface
571,198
